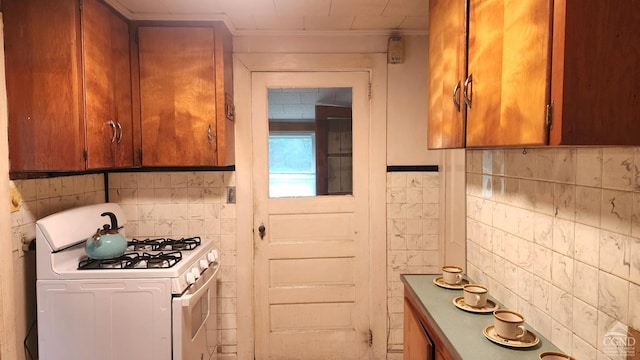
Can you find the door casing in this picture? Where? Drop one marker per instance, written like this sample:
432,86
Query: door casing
244,65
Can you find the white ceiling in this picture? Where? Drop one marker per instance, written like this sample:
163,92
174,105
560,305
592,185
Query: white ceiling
287,15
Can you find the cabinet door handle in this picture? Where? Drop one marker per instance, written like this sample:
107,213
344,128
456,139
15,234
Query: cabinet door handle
456,102
113,129
468,90
209,135
119,132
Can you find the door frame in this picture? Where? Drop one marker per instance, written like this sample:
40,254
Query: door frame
243,65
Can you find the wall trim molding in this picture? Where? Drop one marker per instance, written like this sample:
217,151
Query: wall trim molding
413,168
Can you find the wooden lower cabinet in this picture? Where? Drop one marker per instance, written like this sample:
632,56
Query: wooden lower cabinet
421,342
417,344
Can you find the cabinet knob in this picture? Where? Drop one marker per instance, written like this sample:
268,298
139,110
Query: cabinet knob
209,135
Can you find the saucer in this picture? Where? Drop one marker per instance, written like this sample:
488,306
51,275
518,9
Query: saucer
555,355
440,282
528,340
489,307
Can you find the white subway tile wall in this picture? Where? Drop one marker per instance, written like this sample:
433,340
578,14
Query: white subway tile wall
43,197
412,238
182,204
555,234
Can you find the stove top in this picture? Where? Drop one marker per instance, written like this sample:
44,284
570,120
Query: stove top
148,253
60,251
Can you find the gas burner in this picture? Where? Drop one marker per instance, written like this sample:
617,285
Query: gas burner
133,261
161,260
163,244
125,261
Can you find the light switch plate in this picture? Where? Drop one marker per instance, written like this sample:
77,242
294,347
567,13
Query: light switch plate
231,195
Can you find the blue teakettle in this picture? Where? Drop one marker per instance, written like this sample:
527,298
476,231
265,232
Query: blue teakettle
106,243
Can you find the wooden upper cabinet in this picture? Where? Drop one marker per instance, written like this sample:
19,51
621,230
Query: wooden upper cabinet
595,89
447,72
186,95
68,75
560,72
107,69
44,85
509,43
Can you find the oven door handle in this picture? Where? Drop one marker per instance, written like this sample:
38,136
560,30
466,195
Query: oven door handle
188,300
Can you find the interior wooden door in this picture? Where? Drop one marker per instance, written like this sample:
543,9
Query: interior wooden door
447,71
509,70
107,82
311,254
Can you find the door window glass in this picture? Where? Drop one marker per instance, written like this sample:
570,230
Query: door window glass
310,141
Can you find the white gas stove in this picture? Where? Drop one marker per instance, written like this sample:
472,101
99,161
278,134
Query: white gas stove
156,301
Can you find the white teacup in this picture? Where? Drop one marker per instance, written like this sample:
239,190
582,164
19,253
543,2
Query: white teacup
554,355
508,324
475,295
452,274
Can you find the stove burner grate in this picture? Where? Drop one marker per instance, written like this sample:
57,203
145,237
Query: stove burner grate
133,261
163,244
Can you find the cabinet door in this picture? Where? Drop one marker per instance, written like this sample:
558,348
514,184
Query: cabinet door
509,67
595,88
42,54
417,345
177,89
447,65
107,75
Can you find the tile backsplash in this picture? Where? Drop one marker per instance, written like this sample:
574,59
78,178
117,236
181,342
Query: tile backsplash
43,197
555,234
183,204
413,241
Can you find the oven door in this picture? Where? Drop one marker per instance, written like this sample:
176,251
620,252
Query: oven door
194,319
